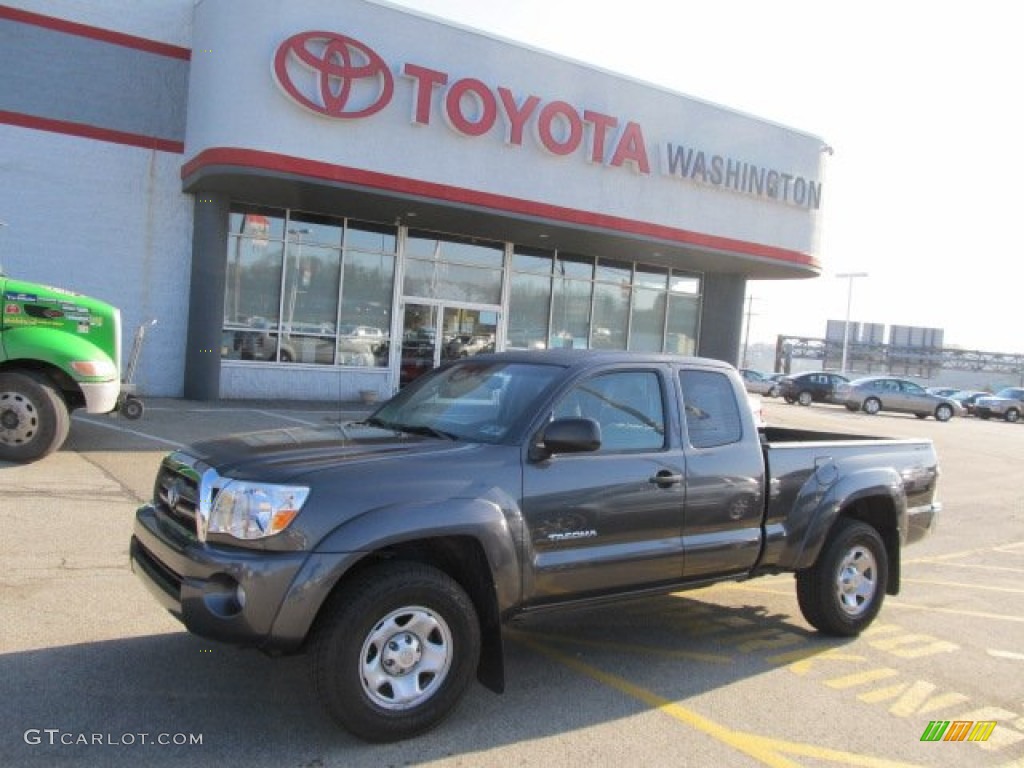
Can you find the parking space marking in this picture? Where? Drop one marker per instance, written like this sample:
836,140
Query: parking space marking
957,585
1005,654
955,612
710,658
118,428
776,753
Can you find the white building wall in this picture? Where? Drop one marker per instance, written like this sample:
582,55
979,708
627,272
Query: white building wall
108,221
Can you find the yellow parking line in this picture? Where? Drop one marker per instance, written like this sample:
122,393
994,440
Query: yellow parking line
771,752
951,611
964,586
711,658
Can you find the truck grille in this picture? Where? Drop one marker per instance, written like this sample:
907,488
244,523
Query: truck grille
177,494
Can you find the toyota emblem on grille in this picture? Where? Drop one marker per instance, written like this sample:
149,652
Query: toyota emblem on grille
174,494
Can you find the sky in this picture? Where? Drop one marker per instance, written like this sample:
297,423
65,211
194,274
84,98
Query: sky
919,100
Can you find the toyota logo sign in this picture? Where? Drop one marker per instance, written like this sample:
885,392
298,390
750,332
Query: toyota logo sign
333,75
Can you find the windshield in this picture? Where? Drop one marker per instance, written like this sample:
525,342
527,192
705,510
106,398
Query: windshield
476,401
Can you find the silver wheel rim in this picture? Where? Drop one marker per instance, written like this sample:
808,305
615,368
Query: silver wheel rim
19,418
945,413
857,581
405,658
805,398
872,406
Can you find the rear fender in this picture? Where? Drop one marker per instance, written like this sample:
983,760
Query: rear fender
817,508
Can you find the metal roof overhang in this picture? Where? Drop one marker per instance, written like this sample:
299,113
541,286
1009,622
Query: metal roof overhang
274,180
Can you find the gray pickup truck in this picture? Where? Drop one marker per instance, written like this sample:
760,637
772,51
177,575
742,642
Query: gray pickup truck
394,549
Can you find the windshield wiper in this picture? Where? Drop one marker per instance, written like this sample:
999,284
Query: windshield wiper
423,429
412,429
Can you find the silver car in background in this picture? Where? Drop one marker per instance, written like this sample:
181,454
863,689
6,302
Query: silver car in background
1007,404
873,394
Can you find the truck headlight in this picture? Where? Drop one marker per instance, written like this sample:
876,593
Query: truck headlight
248,510
94,368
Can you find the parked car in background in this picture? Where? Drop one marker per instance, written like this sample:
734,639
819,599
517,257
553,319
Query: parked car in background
873,394
757,410
810,387
759,383
968,397
943,391
1007,403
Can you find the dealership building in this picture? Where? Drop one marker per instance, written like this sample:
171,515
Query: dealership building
317,199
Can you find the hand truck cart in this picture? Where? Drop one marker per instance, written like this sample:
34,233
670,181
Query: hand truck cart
128,403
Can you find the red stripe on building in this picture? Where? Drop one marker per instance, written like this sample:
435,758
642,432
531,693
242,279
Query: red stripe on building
91,132
319,171
95,33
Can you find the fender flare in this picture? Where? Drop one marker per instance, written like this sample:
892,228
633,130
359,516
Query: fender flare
816,510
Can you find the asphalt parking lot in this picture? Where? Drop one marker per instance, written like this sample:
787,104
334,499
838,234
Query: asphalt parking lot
94,673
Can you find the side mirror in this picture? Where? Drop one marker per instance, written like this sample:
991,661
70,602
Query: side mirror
568,436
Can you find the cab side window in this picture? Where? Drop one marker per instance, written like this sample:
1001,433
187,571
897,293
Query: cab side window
627,404
710,412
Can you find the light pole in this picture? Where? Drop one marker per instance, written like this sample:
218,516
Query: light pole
849,276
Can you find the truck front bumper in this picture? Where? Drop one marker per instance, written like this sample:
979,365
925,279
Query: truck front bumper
101,396
921,521
228,594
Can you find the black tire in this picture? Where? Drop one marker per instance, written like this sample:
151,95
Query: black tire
852,408
1012,416
943,412
842,592
132,408
773,392
789,399
404,622
872,405
34,419
922,415
805,398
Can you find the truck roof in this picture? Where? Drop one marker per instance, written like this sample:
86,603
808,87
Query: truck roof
571,358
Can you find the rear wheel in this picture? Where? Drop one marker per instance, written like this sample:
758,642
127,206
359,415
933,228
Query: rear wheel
805,398
395,650
872,405
843,591
34,419
943,412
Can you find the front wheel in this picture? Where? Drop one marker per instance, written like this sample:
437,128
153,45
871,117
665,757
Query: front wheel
395,650
872,405
1012,415
842,592
34,420
805,398
943,412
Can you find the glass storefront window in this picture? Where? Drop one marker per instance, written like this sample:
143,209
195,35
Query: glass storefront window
683,322
453,249
365,309
648,322
531,260
611,316
528,307
570,313
284,285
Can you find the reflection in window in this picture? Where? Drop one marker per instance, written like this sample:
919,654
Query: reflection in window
528,307
285,300
647,328
570,312
711,414
627,405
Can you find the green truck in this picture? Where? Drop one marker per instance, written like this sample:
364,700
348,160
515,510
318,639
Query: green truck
59,351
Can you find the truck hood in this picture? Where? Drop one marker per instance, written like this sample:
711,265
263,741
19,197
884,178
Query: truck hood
282,455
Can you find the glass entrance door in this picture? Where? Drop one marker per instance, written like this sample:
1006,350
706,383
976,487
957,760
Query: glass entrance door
435,333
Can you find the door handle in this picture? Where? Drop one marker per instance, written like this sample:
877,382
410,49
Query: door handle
666,479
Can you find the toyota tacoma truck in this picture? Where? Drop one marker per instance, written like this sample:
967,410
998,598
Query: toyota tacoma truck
393,550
